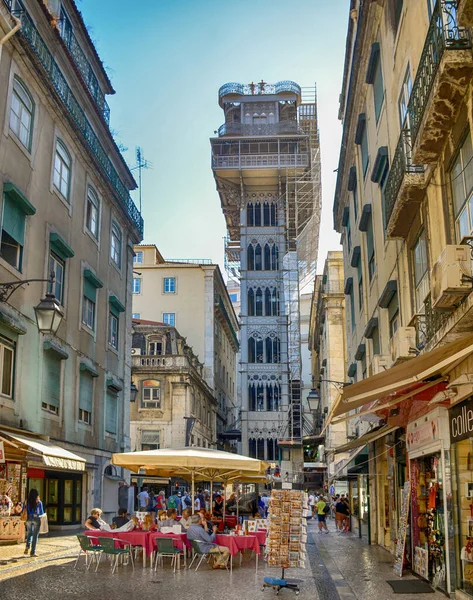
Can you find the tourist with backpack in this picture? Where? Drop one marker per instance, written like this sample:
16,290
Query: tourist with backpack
322,510
173,502
186,502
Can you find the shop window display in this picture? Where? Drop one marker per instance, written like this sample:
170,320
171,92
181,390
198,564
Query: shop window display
463,502
428,519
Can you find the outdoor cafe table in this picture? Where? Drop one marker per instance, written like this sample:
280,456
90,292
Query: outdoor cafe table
135,538
239,543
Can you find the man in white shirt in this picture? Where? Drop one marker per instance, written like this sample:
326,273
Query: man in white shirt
265,501
312,502
143,499
197,504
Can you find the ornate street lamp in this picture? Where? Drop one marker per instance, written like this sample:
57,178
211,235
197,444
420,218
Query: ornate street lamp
49,314
313,400
133,392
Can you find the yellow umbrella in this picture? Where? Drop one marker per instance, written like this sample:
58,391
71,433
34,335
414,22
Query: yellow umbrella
202,464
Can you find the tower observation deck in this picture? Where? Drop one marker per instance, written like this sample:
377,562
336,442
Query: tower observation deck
266,164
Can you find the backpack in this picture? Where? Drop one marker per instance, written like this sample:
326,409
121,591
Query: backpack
187,501
326,509
172,502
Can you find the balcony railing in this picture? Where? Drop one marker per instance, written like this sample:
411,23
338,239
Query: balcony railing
87,73
402,164
428,323
152,361
444,34
281,128
56,78
262,87
249,161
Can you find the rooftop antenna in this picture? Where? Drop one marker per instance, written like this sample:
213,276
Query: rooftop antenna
141,163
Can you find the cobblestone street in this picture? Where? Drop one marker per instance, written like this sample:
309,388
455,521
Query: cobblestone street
339,568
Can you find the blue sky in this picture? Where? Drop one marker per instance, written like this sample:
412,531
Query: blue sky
167,60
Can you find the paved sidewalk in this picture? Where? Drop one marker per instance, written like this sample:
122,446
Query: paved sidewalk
360,571
50,547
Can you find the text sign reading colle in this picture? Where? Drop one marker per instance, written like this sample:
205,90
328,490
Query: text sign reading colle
460,419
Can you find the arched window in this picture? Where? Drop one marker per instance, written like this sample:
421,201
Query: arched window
266,214
252,397
252,448
274,258
267,257
259,350
22,113
251,257
251,302
260,397
258,258
275,303
273,214
272,397
267,303
251,350
257,214
272,350
272,452
259,303
250,214
260,449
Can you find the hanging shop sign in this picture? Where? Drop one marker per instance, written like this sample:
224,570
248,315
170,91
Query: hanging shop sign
427,430
460,420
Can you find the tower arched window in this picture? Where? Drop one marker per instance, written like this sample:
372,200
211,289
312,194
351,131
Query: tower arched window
273,214
250,214
251,257
272,349
266,214
259,303
258,258
275,303
251,302
274,258
267,257
267,302
257,214
260,397
255,350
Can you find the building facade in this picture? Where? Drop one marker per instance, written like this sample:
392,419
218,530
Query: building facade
66,209
402,205
162,291
174,407
265,152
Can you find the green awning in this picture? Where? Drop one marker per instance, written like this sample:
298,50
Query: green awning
60,247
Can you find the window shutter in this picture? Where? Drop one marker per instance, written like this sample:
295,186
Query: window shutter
90,291
393,306
86,388
369,238
51,378
111,413
378,90
13,220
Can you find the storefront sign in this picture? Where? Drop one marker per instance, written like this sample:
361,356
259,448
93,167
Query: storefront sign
2,453
460,418
424,434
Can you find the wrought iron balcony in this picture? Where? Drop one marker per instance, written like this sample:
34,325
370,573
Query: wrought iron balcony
268,129
253,161
58,81
445,67
252,89
428,323
404,188
87,73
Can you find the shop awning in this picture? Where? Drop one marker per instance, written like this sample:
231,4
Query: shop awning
52,455
425,367
371,436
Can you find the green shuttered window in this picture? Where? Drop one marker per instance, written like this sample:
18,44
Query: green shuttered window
111,412
86,389
14,220
51,381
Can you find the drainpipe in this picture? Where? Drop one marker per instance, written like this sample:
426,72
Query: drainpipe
12,32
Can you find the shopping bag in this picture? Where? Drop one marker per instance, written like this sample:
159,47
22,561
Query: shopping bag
43,526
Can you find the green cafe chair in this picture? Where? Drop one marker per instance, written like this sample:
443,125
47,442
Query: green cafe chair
88,549
166,547
108,548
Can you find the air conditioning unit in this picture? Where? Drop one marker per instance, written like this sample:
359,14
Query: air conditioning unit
136,351
447,284
403,344
380,363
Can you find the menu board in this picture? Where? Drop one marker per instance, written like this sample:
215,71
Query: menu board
287,533
402,529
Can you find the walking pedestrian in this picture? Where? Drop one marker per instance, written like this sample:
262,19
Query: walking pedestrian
322,510
312,503
143,499
341,513
34,510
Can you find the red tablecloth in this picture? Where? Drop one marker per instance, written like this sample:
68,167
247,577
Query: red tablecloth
180,539
237,543
135,538
261,537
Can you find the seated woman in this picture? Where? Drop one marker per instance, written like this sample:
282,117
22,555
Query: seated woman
148,523
186,518
93,520
206,521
